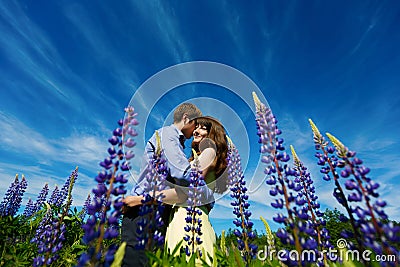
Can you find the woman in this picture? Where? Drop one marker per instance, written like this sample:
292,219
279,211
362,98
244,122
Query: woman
208,134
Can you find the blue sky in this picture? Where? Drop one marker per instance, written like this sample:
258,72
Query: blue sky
68,68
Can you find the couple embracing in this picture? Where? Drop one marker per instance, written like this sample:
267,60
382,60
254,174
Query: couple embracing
210,144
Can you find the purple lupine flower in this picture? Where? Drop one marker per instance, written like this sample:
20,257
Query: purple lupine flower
43,239
84,211
41,198
154,183
371,217
29,208
279,174
49,237
193,222
63,193
54,196
240,205
50,234
330,163
22,188
11,191
105,208
13,197
314,226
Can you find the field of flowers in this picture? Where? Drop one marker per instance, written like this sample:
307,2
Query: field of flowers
51,232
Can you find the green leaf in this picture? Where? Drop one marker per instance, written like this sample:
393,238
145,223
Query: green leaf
177,247
214,258
153,258
192,260
237,257
119,255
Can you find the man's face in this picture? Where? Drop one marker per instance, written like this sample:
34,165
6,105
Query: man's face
188,128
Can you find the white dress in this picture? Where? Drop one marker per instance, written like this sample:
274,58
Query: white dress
176,232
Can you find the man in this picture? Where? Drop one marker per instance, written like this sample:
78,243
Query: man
172,142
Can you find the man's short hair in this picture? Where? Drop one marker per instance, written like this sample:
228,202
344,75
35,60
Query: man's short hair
190,109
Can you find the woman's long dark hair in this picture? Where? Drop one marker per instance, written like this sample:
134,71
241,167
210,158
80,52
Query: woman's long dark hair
216,133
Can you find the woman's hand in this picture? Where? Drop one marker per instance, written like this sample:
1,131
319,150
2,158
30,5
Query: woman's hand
206,158
132,201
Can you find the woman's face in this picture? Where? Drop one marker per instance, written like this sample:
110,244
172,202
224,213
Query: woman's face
199,133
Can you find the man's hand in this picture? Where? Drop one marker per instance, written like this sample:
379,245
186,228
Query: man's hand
132,201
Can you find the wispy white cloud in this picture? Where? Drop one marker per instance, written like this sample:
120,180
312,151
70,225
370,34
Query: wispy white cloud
165,24
87,149
82,150
233,26
296,133
373,21
13,13
32,51
38,176
101,45
18,138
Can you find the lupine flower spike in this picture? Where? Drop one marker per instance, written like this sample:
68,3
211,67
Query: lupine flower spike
317,223
30,206
54,196
376,233
244,231
279,174
85,208
13,197
329,163
50,234
270,236
105,209
63,193
41,198
193,222
151,211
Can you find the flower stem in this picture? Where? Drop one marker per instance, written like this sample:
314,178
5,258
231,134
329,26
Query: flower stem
344,200
103,213
287,205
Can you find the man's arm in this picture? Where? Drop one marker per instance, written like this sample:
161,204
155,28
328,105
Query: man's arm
171,196
178,164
